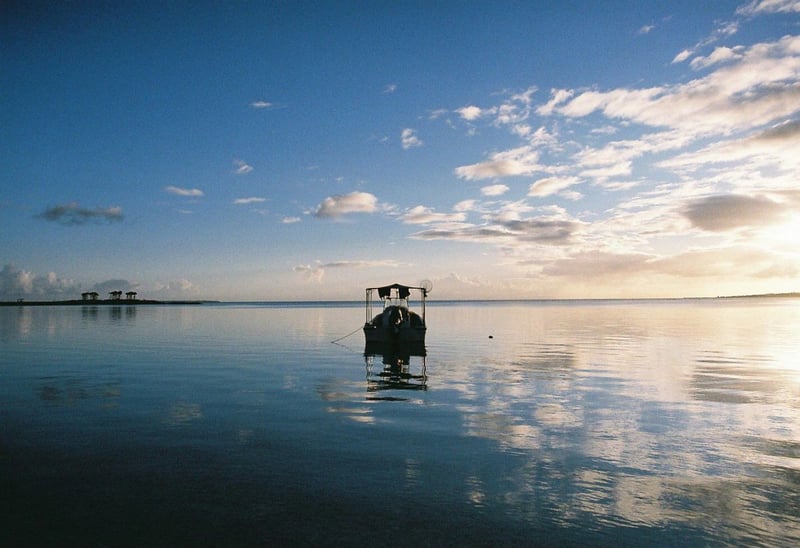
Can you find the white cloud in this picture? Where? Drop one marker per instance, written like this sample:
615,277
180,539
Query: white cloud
360,264
178,191
390,88
290,220
557,97
175,288
516,109
678,194
339,205
251,200
771,149
682,56
317,271
605,130
494,190
521,130
310,271
519,161
508,228
573,195
757,86
409,139
261,104
606,172
16,283
423,215
718,56
465,205
551,185
470,113
241,167
646,29
757,7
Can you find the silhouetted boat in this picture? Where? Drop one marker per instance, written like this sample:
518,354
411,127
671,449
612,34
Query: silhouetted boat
396,323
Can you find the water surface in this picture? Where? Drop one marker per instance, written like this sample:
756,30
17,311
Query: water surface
525,423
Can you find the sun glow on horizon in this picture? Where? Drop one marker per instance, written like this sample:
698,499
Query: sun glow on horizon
785,235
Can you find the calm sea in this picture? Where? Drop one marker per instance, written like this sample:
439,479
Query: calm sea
525,423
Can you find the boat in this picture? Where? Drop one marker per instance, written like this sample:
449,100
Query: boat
396,322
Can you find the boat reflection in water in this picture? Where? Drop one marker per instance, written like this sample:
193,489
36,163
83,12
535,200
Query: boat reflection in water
395,371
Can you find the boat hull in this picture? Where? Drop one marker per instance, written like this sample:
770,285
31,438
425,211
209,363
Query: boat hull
381,334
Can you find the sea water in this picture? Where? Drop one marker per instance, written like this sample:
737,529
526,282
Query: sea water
524,423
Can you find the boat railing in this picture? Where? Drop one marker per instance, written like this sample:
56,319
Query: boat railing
395,295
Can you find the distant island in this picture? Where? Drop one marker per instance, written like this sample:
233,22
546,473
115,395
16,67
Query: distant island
106,302
92,298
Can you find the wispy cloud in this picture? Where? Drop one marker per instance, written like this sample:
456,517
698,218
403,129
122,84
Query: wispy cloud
774,147
465,205
423,215
181,287
390,88
718,56
317,270
557,97
551,185
339,205
409,139
555,229
250,200
519,161
74,214
241,167
179,191
757,7
261,104
754,90
290,220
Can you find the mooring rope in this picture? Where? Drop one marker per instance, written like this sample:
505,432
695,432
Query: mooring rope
357,329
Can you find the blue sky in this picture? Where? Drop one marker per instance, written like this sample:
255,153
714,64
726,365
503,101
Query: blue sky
292,150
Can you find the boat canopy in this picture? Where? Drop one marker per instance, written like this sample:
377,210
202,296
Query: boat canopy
403,291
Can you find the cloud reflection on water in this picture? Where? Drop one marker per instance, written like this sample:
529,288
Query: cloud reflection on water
585,418
626,410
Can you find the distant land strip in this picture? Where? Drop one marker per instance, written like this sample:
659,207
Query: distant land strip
134,302
761,296
81,302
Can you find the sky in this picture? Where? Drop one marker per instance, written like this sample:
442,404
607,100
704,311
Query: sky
306,150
